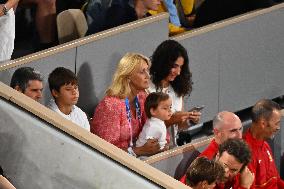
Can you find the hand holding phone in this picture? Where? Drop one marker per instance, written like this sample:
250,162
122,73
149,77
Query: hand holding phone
197,108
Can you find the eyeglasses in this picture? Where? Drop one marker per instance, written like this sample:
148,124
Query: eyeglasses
232,170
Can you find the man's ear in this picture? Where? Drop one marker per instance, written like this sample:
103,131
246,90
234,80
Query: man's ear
217,133
54,93
217,156
18,88
262,123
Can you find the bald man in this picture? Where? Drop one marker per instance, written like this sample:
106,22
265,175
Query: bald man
225,125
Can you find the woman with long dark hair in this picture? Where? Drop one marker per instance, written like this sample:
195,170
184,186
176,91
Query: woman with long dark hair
170,74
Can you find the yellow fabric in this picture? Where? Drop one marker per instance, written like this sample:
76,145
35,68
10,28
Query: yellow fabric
187,6
174,30
161,8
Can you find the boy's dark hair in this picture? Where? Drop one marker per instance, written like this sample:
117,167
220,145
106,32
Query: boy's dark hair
237,148
153,100
22,76
203,169
61,76
263,109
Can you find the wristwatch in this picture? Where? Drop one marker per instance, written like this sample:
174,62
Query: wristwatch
4,9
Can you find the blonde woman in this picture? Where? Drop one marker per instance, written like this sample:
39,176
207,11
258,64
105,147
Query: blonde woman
120,116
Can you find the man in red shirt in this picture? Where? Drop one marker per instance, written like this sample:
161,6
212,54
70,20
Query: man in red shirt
225,125
266,118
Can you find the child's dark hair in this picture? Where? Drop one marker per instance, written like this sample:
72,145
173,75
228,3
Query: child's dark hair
203,169
153,100
61,76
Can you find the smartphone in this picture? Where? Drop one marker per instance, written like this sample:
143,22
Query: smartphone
197,108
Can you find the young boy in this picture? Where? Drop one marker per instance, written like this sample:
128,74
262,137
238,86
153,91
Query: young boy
158,109
63,85
204,173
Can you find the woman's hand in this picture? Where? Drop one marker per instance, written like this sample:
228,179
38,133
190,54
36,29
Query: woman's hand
194,116
180,118
151,147
177,118
166,147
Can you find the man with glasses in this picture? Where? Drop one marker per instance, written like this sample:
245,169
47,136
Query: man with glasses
234,155
266,118
226,125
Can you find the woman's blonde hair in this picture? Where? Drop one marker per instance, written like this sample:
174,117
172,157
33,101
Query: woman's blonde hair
120,83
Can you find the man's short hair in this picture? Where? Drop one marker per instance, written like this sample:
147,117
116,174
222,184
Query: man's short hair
237,148
61,76
153,100
263,109
217,120
22,76
203,169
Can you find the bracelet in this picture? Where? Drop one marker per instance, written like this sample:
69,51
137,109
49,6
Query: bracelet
4,9
131,152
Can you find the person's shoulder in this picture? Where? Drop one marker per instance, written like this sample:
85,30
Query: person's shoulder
112,99
78,110
247,136
211,150
142,95
111,102
52,105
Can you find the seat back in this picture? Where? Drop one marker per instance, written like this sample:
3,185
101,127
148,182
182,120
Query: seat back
71,24
187,159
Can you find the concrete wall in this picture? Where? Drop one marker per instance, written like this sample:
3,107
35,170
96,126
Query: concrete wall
34,154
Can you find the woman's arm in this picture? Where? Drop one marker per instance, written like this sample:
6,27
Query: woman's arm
151,147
